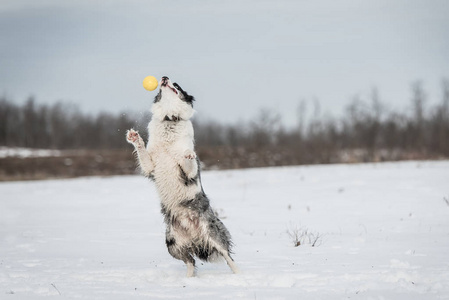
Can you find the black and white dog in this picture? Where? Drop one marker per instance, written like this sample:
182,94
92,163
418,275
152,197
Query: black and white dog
169,159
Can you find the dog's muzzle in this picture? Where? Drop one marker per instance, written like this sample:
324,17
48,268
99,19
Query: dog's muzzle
164,81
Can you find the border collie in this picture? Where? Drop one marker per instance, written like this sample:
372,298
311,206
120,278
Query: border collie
169,159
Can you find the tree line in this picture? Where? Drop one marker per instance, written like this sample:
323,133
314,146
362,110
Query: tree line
63,126
367,131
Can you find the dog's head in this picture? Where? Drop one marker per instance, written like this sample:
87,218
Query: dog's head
172,103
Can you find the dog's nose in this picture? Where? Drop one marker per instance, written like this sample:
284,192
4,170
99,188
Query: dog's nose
164,81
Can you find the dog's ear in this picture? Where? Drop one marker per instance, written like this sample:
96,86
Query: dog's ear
188,98
158,97
185,96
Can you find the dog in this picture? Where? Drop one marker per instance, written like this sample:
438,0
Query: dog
169,159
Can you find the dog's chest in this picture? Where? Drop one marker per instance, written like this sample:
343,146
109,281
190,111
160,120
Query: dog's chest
168,132
167,144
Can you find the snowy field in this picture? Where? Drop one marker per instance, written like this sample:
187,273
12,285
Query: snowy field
383,233
27,152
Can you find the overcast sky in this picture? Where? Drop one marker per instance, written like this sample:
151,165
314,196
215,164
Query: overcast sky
233,56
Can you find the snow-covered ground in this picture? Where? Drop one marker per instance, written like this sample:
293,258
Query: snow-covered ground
384,234
27,152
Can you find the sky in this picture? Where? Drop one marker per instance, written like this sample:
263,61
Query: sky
235,57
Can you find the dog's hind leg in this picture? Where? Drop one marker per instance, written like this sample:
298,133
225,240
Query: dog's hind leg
230,261
181,253
223,252
190,269
220,240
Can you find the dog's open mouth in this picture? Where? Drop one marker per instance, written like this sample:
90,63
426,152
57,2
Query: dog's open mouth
173,89
165,82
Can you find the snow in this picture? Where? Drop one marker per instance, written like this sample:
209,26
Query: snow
27,152
384,234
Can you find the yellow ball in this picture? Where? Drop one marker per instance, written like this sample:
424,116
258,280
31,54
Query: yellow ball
150,83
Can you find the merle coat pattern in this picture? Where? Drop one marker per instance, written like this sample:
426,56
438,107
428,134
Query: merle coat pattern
169,159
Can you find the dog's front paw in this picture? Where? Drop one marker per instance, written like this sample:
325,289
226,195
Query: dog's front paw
133,137
190,154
